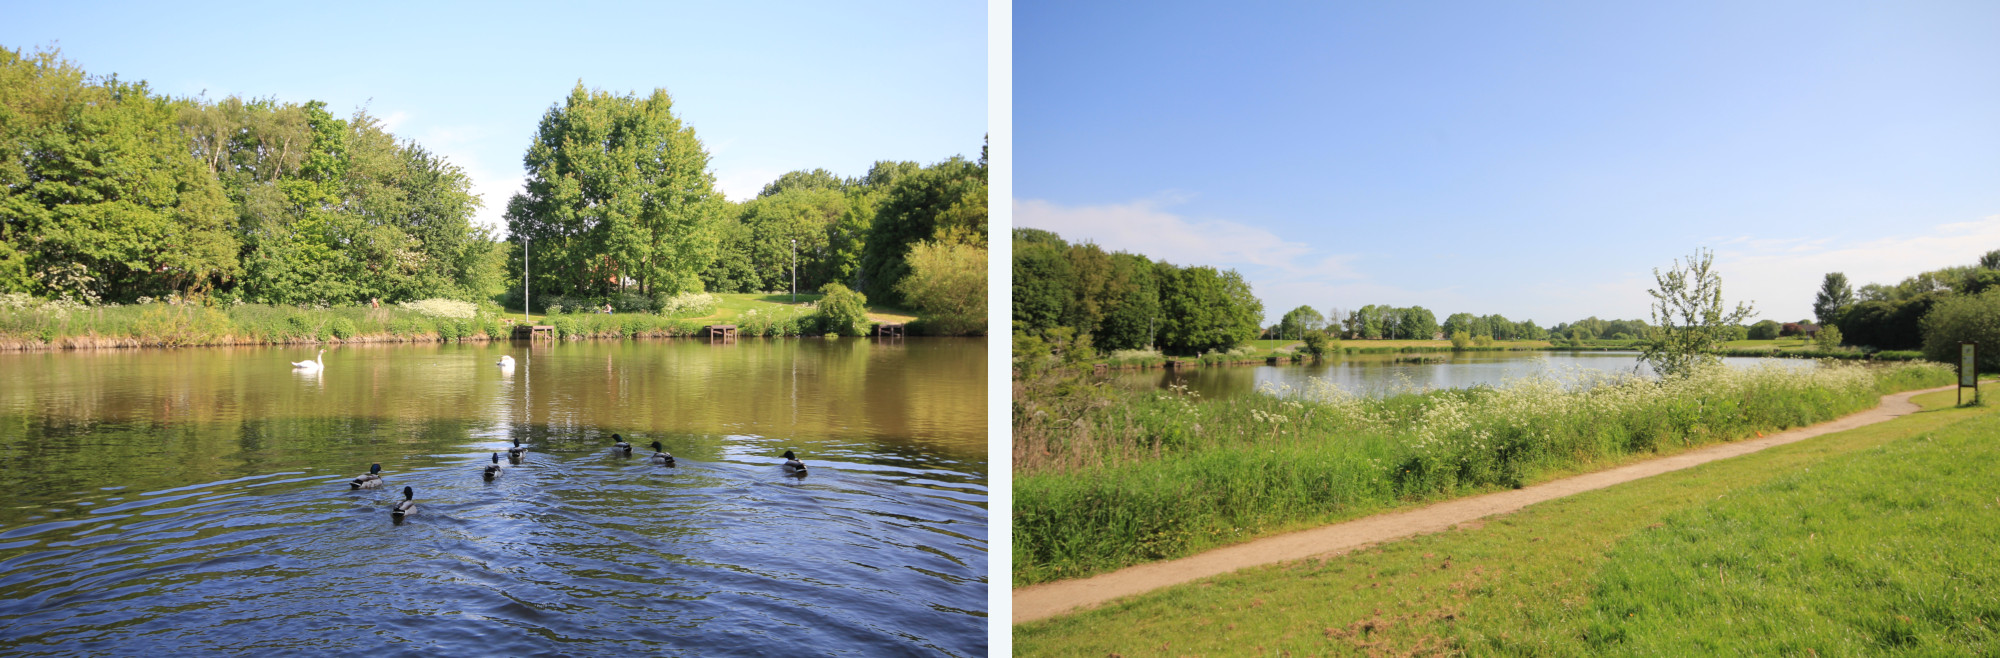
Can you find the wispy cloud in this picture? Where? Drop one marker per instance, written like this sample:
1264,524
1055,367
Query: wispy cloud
1146,227
1783,274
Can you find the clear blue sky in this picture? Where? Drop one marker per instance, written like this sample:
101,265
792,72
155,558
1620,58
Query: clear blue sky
769,88
1536,160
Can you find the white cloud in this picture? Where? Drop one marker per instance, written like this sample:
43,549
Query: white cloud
744,184
1782,275
1142,227
394,119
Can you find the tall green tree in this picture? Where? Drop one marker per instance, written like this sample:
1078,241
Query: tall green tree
1833,299
1296,322
102,196
1132,318
618,188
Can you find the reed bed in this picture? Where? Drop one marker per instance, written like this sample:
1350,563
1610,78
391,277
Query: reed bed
1108,478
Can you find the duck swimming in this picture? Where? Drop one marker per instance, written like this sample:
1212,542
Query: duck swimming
621,444
369,480
408,506
792,464
660,455
518,451
493,468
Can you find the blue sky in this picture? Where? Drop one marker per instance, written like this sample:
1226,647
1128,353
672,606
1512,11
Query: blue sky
768,88
1535,160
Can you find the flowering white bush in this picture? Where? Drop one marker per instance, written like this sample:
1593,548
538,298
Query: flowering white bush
688,303
443,308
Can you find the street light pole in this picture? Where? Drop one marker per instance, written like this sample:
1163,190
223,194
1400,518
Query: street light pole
795,270
524,279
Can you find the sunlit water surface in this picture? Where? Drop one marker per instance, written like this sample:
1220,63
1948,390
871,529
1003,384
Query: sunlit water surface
178,501
1386,374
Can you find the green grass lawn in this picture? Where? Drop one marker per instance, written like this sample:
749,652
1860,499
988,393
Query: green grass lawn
1873,540
1773,345
733,305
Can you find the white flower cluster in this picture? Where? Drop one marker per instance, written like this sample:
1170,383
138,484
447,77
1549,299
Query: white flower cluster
689,303
443,308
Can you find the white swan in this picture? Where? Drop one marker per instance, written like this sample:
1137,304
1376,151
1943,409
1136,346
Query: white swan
505,361
314,363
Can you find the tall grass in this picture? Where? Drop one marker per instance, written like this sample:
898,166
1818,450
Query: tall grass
1107,478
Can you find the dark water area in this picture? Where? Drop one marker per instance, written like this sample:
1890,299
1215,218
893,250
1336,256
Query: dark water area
1377,375
184,501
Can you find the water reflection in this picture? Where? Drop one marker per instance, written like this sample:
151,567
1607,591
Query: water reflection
198,500
1385,374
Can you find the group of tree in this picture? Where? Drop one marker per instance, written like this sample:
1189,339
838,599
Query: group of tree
115,193
1931,311
620,200
1128,301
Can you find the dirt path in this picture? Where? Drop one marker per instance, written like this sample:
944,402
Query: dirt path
1061,597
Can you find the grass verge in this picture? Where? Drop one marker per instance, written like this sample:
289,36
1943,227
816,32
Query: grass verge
1106,478
1866,541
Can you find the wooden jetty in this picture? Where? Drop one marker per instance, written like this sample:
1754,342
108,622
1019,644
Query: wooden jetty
889,330
535,332
722,331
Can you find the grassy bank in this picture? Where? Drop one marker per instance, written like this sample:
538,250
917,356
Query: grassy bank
34,324
1108,478
1873,540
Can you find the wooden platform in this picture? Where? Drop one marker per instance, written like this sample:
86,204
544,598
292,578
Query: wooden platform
889,330
722,331
535,332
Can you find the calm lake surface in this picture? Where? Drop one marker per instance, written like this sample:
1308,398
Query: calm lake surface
197,500
1383,374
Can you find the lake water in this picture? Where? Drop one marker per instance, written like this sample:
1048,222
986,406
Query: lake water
1381,374
197,500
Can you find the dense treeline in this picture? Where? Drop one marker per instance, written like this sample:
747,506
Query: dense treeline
1127,301
114,193
620,205
1932,311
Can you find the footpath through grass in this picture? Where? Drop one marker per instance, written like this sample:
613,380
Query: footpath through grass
1874,540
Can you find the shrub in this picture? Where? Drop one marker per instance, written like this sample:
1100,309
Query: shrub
1461,339
1766,330
1828,338
842,311
342,328
631,302
1316,343
442,308
1964,318
947,283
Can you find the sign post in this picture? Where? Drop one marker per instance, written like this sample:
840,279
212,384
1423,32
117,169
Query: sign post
1968,371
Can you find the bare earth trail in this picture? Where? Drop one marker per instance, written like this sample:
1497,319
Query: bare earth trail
1062,597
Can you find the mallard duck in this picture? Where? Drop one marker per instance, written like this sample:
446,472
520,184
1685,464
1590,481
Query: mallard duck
619,443
314,363
518,451
660,455
493,468
369,480
408,506
793,465
505,361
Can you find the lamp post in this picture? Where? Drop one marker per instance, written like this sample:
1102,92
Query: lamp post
795,270
524,280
